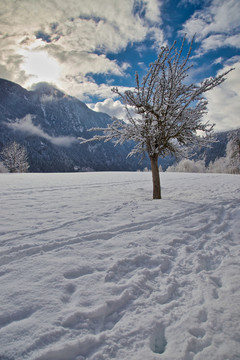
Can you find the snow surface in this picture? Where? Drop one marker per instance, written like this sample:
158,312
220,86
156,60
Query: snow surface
92,268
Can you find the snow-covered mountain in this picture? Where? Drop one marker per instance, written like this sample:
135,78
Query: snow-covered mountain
48,122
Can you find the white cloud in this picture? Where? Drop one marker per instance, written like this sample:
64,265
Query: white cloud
26,126
233,60
192,2
84,88
110,107
223,101
216,25
216,41
76,34
40,66
153,13
218,60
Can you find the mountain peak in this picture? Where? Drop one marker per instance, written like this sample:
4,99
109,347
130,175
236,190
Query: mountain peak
44,88
48,123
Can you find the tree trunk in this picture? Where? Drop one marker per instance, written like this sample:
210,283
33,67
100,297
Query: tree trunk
155,177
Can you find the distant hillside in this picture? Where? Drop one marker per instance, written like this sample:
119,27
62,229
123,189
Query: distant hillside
49,132
48,122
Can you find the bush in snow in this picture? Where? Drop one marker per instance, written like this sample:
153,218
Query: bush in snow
218,166
187,165
230,164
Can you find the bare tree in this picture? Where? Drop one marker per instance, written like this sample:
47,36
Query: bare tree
168,110
15,158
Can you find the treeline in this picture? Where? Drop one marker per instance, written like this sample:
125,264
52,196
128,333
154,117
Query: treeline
229,164
14,159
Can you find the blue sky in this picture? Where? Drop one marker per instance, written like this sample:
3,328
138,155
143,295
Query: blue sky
85,47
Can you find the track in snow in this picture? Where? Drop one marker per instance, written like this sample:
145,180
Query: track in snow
92,268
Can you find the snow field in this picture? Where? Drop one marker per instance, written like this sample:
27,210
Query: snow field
92,269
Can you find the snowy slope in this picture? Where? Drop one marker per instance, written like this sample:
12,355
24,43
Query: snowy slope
48,122
92,269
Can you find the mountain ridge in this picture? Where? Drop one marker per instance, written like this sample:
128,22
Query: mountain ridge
43,118
48,122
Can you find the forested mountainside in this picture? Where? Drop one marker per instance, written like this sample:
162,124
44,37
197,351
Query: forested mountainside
48,122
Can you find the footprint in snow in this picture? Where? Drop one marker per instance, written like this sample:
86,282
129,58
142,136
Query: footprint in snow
202,315
208,262
217,283
197,332
125,268
78,272
69,290
158,340
197,345
18,315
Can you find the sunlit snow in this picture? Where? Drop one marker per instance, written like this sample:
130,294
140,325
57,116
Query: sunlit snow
92,269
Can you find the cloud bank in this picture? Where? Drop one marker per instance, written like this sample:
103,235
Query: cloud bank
110,107
77,35
76,44
215,26
26,126
223,101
